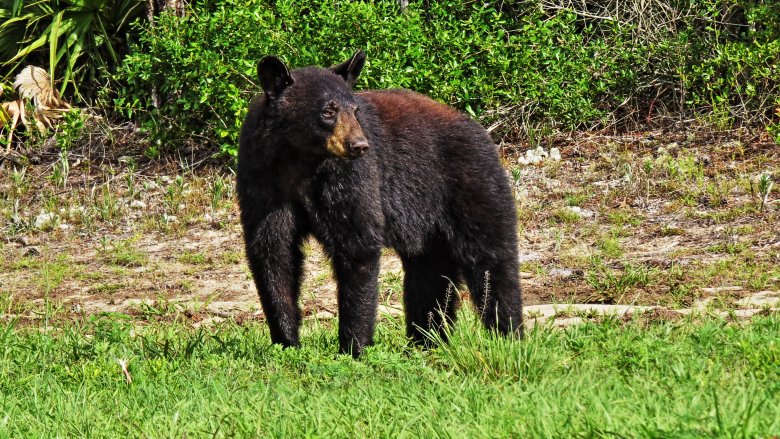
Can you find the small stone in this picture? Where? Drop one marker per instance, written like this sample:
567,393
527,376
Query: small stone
733,145
561,272
23,241
137,204
539,151
582,213
763,298
555,154
43,219
324,315
529,256
208,321
389,310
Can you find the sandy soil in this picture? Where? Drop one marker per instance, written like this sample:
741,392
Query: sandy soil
674,221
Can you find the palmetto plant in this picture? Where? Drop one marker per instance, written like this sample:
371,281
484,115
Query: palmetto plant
77,38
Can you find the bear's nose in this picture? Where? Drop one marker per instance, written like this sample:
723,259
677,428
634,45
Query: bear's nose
357,147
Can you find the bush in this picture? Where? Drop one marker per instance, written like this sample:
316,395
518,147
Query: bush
521,67
82,41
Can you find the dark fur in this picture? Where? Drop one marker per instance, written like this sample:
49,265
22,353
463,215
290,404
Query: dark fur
430,185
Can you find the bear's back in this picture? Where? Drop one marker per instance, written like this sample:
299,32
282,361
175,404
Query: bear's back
431,160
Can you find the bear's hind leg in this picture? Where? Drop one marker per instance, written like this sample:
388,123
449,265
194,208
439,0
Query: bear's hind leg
430,296
495,291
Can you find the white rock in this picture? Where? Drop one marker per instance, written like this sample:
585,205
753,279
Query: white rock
324,315
137,204
539,151
390,310
555,154
561,272
43,218
763,298
582,213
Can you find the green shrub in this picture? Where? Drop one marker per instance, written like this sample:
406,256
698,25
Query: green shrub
520,67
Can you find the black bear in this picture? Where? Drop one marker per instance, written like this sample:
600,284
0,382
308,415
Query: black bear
367,170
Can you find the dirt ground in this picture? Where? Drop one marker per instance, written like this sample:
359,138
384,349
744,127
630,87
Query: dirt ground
676,220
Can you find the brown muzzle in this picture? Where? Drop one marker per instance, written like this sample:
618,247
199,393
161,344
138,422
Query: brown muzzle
347,140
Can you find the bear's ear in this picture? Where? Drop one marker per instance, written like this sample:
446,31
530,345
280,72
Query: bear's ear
274,76
350,69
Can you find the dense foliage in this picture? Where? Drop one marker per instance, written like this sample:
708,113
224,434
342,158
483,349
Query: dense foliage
524,67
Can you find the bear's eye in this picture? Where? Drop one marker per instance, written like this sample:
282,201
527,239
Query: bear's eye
328,112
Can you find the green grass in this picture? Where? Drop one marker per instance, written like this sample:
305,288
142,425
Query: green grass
566,216
124,254
193,258
610,246
684,379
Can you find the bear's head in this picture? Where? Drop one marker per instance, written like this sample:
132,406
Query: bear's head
315,107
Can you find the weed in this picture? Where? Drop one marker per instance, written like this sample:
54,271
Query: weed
391,286
159,308
575,199
219,190
610,247
122,253
729,247
516,173
232,257
105,202
61,170
765,184
106,288
130,171
613,285
622,218
193,258
671,230
566,216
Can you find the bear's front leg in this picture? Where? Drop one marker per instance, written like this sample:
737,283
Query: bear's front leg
357,296
273,248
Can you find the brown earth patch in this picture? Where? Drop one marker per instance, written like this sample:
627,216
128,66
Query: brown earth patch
645,219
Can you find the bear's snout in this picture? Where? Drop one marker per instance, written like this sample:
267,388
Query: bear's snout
347,139
357,147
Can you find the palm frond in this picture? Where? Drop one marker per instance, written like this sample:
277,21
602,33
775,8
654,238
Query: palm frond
78,37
